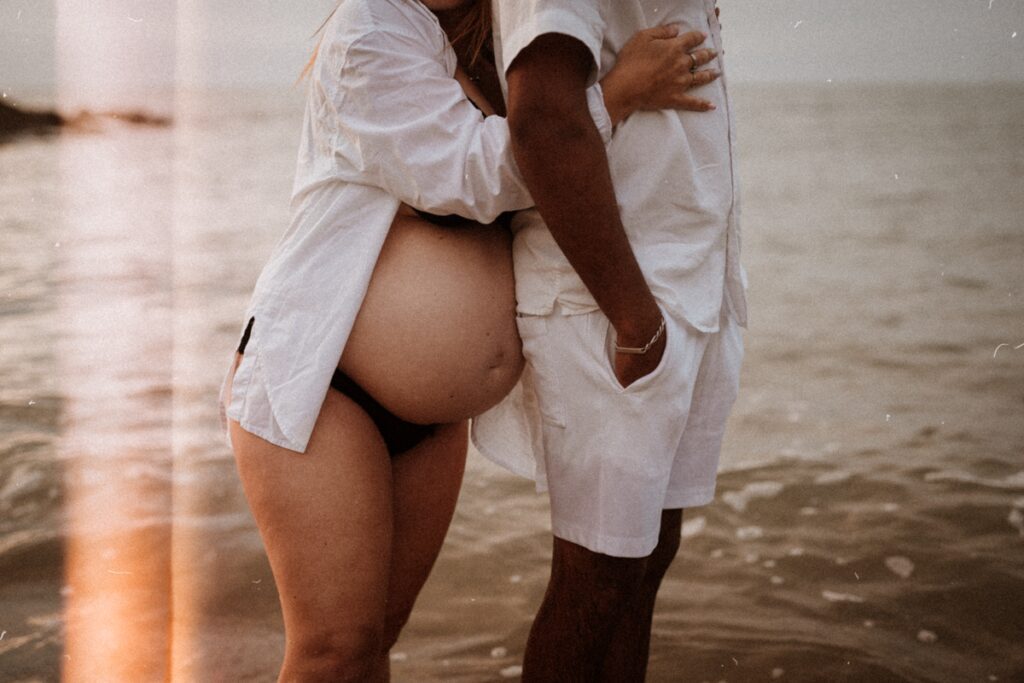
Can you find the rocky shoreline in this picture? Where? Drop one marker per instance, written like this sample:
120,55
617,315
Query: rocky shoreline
15,121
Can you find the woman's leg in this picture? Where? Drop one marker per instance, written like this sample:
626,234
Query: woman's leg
326,520
425,485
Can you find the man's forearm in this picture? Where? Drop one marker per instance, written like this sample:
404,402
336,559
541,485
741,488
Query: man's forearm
562,158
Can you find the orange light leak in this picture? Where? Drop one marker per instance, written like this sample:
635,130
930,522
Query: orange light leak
114,273
195,562
115,366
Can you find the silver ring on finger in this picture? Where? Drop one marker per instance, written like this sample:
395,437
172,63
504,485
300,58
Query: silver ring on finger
693,63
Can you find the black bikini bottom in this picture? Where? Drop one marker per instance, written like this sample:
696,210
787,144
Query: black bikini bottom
399,435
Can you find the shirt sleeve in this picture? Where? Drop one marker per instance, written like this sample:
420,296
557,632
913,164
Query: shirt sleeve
520,22
404,124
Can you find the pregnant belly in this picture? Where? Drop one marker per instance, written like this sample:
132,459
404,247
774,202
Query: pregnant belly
435,339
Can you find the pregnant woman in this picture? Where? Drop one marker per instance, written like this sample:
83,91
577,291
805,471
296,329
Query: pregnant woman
385,316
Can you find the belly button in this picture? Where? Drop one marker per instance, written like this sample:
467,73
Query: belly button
497,361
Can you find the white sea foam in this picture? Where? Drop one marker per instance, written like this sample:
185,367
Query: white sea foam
900,566
693,527
833,477
738,500
835,596
1016,520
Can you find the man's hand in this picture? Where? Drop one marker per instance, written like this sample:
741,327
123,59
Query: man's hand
629,367
562,158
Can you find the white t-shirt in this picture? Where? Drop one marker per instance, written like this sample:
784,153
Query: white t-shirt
386,122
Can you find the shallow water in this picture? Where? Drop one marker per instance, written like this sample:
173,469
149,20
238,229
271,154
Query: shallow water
870,518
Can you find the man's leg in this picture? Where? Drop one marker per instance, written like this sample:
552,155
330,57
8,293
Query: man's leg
627,653
595,621
587,595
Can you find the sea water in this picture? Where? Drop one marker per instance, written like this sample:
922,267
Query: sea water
869,523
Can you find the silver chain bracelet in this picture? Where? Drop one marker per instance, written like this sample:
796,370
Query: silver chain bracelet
640,350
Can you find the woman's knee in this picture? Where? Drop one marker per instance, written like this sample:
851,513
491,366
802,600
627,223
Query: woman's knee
347,653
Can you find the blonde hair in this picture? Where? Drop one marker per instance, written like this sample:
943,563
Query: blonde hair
469,37
473,33
312,57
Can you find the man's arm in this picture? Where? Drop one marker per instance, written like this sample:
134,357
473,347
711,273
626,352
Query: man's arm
562,158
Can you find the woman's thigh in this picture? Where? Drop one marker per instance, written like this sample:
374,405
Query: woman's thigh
426,481
435,340
325,517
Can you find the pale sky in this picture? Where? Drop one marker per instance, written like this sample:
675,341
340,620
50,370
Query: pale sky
265,42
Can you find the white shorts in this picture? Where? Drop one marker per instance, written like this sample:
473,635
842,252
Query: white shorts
613,458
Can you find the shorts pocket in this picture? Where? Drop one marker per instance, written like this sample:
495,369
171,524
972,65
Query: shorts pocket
651,377
542,367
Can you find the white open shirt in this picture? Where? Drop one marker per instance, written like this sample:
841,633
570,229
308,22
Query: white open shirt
675,183
386,122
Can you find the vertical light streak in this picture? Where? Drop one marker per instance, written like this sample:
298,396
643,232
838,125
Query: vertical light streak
114,280
194,550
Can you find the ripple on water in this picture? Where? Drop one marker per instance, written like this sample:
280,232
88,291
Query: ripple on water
1013,481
